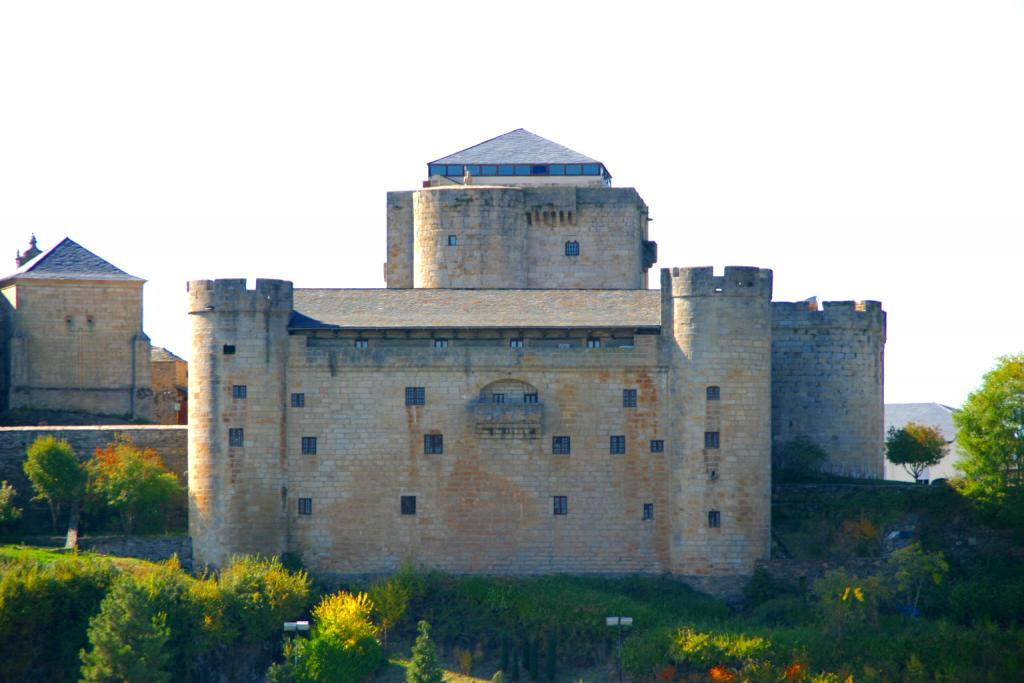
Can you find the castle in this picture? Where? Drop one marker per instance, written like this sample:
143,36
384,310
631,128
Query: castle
516,400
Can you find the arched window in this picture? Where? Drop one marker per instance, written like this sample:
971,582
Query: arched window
508,391
572,248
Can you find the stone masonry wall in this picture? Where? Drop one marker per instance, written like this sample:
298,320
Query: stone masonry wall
827,381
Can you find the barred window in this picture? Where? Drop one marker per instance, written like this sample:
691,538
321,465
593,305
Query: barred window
629,398
657,446
298,400
561,505
648,511
618,444
572,248
714,519
714,393
710,439
516,343
362,344
415,396
229,349
433,444
408,505
309,445
497,398
440,343
530,398
236,437
560,445
305,506
593,343
239,391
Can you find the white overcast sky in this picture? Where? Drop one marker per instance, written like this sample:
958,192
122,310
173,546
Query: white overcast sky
862,150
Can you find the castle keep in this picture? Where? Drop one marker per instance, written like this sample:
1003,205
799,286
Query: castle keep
516,400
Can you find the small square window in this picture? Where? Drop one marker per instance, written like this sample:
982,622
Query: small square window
236,437
362,344
305,506
408,504
561,505
516,343
629,398
440,343
530,398
714,393
453,240
648,511
564,345
618,444
433,444
309,445
298,400
710,439
239,391
560,445
497,398
229,349
415,396
572,248
657,446
593,343
714,519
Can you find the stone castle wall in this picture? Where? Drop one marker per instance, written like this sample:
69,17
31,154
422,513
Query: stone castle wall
827,381
78,346
514,237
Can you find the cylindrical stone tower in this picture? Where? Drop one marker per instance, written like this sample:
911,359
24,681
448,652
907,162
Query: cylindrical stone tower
237,476
470,236
716,340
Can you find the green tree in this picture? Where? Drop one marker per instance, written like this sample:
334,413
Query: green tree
55,473
424,667
991,430
915,447
390,601
128,638
131,480
8,512
913,569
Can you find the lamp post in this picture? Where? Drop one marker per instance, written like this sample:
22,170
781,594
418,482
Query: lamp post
293,628
619,623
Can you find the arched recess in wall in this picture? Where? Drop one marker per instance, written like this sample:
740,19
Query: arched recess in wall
509,391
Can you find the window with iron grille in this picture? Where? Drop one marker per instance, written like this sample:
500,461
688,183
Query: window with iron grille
433,444
229,349
516,343
560,445
497,398
657,446
408,504
572,248
305,506
309,445
561,505
593,343
710,439
298,400
618,444
239,391
440,343
236,437
714,518
415,396
648,511
530,398
362,344
714,393
453,240
629,398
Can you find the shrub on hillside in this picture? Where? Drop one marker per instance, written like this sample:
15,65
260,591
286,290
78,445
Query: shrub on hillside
9,514
133,483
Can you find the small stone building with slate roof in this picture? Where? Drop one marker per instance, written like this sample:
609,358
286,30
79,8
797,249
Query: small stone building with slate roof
71,335
517,401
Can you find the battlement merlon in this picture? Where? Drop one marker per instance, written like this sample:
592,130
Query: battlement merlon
738,281
857,315
231,296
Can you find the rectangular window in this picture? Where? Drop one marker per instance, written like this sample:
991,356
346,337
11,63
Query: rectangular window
522,169
229,349
497,398
505,169
516,343
593,343
560,445
572,169
305,506
433,444
440,343
455,170
648,511
488,170
453,240
236,437
362,344
473,169
298,400
309,445
538,170
239,391
710,439
657,446
617,445
438,169
556,169
591,169
415,396
530,398
572,248
561,505
714,393
408,504
714,519
629,398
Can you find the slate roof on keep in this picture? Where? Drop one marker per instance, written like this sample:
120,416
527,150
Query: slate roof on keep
474,308
927,414
519,146
68,260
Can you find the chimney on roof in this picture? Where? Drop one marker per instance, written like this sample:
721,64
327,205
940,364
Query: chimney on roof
29,254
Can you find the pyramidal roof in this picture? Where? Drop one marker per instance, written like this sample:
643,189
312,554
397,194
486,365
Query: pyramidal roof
68,260
519,146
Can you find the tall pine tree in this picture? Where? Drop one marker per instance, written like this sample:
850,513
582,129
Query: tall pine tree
128,638
424,667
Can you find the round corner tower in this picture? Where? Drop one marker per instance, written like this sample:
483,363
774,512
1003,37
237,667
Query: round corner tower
237,384
716,340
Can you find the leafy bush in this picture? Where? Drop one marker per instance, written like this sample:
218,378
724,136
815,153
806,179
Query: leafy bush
390,601
783,611
702,649
258,596
132,482
845,599
799,457
328,658
645,654
345,615
9,514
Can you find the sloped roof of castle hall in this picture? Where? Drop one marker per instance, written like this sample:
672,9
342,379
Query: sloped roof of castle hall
68,260
519,146
474,308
